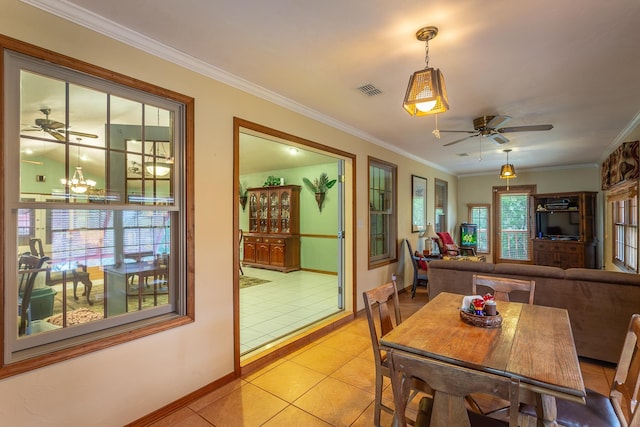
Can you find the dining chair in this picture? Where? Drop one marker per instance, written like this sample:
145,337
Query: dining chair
29,267
385,299
503,286
450,384
419,273
620,408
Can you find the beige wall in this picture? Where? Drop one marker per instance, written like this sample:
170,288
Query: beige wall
120,384
477,189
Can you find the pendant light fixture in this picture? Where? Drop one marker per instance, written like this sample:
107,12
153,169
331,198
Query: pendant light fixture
159,163
78,183
426,93
507,171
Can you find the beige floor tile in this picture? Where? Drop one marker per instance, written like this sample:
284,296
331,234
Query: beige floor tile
367,354
295,417
366,419
349,342
358,372
245,406
184,417
252,376
289,380
322,358
207,399
335,402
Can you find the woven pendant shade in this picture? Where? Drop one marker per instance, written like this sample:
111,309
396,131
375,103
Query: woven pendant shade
507,171
426,93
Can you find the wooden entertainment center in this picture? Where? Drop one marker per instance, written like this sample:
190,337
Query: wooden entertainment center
565,230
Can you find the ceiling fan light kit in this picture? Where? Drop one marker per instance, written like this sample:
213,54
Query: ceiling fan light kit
426,92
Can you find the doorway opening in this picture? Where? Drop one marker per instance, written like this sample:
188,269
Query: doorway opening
291,246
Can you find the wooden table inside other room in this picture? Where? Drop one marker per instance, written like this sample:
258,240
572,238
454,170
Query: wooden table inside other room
534,344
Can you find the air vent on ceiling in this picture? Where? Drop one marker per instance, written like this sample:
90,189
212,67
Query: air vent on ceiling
370,90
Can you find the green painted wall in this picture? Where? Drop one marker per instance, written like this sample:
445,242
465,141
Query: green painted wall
316,253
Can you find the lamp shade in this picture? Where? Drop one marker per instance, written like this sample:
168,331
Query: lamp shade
507,171
431,233
426,93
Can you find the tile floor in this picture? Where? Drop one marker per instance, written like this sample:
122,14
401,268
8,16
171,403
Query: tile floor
290,301
328,383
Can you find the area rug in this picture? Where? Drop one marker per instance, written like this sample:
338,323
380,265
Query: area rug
74,317
247,282
97,297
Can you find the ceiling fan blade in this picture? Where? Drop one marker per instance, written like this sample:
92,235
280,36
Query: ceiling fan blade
86,135
49,124
525,128
33,162
497,138
459,140
460,131
497,122
56,134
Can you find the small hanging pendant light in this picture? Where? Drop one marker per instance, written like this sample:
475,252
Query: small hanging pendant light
426,93
507,171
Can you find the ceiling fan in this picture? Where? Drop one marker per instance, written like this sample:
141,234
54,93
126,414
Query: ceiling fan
55,128
492,127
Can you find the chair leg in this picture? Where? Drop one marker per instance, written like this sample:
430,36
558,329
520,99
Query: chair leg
378,401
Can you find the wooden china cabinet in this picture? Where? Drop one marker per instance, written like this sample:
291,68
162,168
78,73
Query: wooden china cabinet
273,239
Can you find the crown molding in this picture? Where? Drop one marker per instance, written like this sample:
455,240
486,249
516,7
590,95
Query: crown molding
113,30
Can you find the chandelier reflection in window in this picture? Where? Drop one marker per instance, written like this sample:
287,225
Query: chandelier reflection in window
78,183
161,163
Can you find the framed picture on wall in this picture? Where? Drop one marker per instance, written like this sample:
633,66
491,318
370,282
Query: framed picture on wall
418,204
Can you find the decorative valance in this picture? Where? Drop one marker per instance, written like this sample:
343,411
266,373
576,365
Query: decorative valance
622,165
625,191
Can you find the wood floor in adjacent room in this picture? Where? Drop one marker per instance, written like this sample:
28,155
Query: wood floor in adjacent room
327,383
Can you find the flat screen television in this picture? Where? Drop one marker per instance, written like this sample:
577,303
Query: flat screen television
469,235
564,225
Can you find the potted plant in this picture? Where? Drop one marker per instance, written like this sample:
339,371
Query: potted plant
243,196
271,181
320,186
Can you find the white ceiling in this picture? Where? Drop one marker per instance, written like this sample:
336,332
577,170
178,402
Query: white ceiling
572,64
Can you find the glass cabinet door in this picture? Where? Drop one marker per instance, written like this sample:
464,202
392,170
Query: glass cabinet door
285,213
263,211
274,210
253,213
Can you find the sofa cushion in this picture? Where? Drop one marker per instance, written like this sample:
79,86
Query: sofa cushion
480,267
529,270
614,277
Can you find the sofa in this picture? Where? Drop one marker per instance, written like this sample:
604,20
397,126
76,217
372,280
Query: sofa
600,303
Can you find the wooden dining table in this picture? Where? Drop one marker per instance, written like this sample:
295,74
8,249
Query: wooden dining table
534,344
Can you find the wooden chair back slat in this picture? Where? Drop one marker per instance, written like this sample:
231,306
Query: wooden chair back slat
503,286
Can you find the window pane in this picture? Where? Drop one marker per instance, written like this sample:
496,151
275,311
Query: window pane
479,215
382,211
118,259
514,236
96,230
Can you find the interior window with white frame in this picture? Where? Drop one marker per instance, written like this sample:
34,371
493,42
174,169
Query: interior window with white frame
625,233
95,200
479,214
382,212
